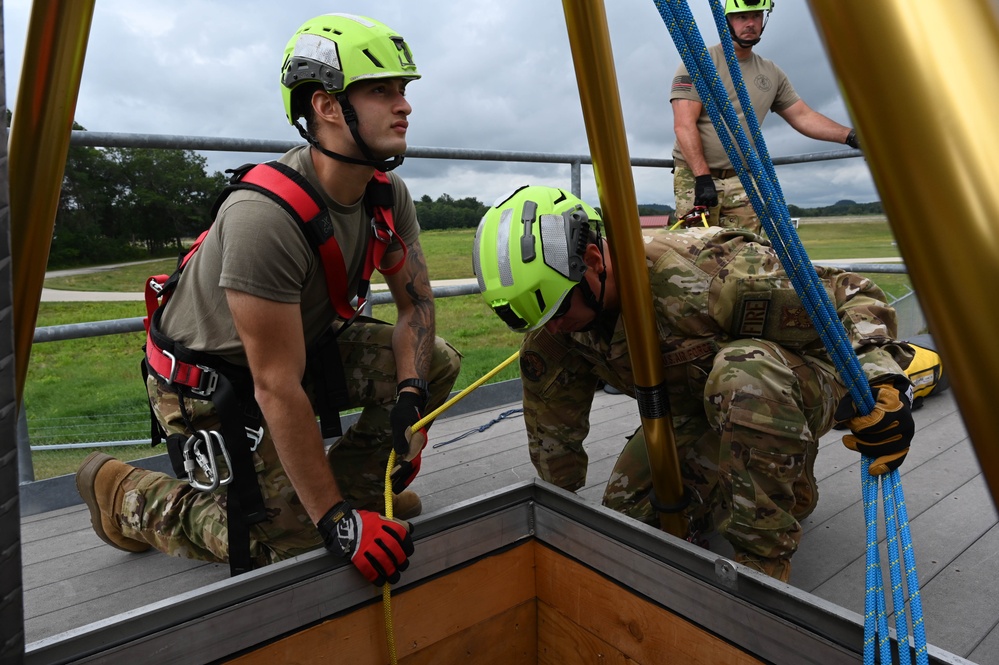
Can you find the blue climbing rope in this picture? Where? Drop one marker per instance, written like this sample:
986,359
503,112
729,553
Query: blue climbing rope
768,202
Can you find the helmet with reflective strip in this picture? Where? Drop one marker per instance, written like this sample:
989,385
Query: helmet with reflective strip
336,50
528,253
737,6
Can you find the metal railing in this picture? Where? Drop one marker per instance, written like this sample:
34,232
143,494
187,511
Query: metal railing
204,143
575,162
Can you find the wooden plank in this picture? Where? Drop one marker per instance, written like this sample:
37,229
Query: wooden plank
508,637
961,604
942,518
942,536
643,631
561,641
987,650
72,603
423,616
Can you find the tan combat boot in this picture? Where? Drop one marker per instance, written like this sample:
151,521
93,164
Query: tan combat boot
778,568
99,481
406,505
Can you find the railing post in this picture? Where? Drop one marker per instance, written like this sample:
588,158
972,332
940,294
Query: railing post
575,179
25,465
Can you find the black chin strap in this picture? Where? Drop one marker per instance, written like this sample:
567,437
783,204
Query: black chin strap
350,116
748,43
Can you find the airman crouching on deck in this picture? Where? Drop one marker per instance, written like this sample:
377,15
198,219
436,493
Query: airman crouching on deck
751,387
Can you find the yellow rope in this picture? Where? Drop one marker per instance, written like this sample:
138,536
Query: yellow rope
390,508
387,588
426,420
683,220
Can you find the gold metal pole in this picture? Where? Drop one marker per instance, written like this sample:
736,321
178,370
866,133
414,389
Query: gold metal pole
922,82
39,143
589,39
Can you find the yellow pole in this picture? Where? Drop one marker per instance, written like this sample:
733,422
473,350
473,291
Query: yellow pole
922,82
589,40
39,143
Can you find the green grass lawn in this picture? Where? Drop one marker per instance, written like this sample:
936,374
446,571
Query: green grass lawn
80,390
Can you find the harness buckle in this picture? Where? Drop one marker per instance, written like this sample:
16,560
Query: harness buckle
209,376
154,285
173,366
256,436
382,232
200,454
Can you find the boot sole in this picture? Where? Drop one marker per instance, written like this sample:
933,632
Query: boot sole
86,478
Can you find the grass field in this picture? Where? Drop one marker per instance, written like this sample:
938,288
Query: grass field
91,389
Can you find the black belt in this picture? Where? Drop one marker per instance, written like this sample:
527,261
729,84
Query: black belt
721,174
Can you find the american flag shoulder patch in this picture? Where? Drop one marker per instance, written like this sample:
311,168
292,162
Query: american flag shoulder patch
682,84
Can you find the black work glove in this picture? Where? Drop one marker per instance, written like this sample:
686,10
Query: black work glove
408,444
851,140
705,193
886,432
377,546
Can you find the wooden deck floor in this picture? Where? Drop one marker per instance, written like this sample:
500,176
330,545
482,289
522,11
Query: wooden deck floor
71,578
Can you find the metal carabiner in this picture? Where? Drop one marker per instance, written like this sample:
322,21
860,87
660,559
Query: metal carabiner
203,457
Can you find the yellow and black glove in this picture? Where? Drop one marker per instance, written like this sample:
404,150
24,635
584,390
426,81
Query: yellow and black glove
885,433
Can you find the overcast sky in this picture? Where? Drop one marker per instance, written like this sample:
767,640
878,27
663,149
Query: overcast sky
497,75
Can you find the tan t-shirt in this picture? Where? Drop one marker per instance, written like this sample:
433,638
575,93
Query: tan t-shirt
768,87
256,247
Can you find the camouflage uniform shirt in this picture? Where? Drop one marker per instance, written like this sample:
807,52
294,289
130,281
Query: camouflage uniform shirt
749,381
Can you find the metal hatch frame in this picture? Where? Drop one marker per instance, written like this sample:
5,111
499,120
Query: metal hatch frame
771,620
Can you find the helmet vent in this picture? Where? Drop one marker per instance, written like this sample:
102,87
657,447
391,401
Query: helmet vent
541,300
373,59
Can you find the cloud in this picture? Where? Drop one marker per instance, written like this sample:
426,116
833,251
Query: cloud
496,76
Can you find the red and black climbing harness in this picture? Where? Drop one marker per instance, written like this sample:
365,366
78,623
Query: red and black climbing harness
204,376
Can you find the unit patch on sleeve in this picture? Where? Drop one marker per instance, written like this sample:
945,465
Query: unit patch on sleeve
532,365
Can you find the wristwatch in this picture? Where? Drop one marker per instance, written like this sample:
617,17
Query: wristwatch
419,384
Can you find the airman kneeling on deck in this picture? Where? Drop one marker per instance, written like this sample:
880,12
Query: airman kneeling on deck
260,336
750,385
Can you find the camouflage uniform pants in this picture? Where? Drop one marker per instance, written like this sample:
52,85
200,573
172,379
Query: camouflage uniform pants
734,209
181,521
748,458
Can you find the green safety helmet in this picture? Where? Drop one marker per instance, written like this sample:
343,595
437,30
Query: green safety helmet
528,253
737,6
339,49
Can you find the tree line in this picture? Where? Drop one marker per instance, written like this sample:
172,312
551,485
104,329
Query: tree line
838,209
132,203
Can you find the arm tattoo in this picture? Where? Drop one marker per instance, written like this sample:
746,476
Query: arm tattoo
422,322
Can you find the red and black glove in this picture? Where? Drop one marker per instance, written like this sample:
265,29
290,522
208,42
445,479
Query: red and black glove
408,444
377,546
885,433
